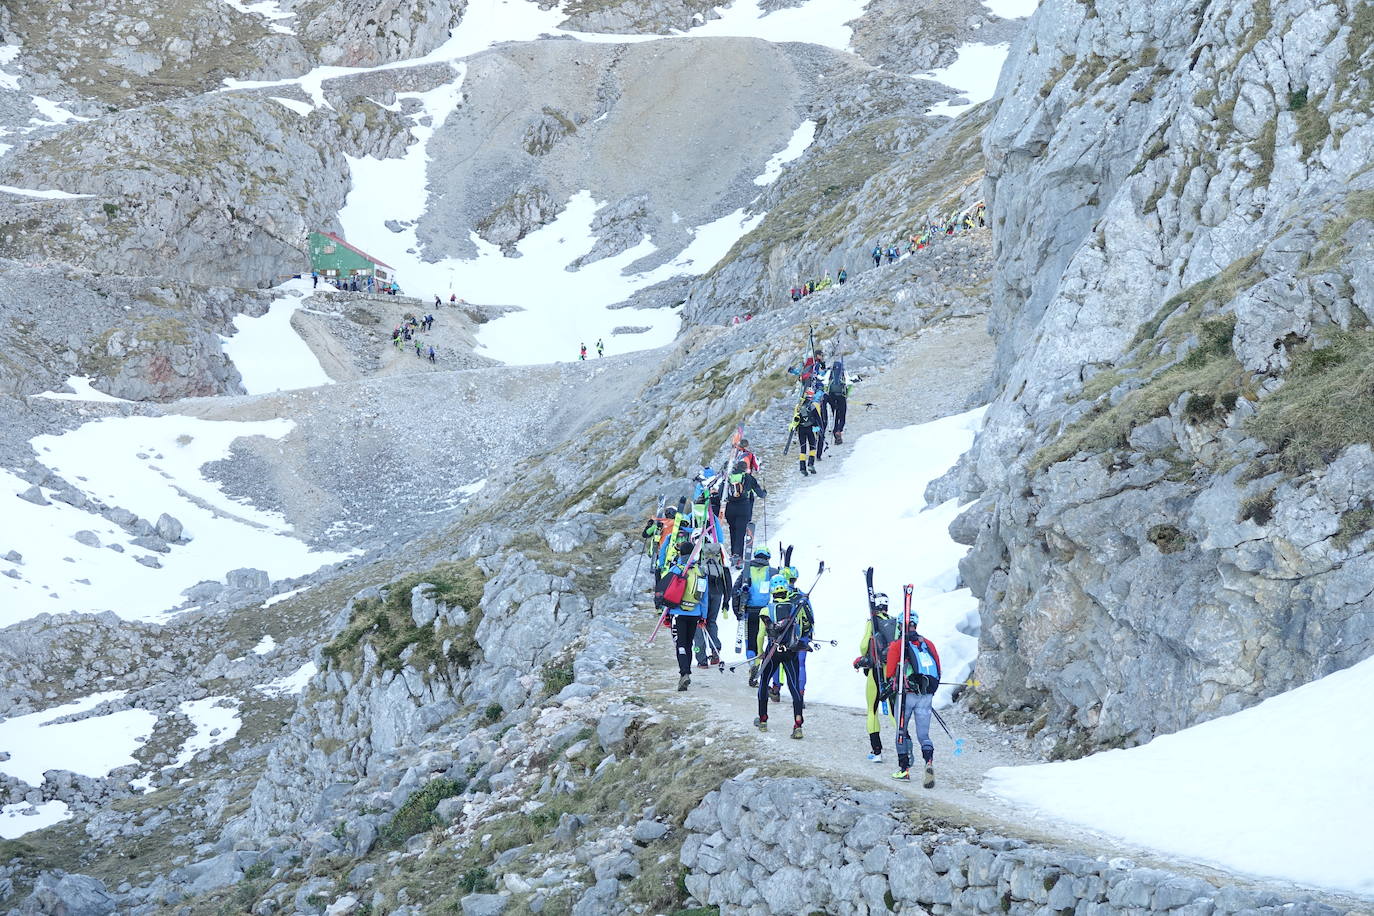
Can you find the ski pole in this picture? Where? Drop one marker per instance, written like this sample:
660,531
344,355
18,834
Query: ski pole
662,617
941,719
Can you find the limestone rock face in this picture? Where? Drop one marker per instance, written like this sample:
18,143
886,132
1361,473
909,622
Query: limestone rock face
1182,219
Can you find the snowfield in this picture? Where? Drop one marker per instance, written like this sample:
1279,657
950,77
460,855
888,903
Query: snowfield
875,514
150,466
267,351
92,746
1280,789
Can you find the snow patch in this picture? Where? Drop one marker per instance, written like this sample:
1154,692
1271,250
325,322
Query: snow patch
1234,791
265,645
267,351
291,684
267,9
821,22
802,137
973,75
216,720
83,391
277,599
21,818
92,746
52,113
878,490
42,194
299,107
149,465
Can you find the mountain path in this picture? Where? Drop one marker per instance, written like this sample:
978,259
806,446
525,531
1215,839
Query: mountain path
932,375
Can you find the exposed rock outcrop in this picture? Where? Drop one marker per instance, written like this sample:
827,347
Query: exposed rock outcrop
1170,517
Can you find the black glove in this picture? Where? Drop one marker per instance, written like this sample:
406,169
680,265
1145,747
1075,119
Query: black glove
863,663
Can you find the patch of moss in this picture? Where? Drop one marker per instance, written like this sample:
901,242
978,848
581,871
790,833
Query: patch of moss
1167,538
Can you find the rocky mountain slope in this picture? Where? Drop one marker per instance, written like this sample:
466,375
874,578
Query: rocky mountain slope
1172,510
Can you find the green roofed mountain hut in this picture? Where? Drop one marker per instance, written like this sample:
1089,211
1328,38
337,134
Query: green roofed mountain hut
336,260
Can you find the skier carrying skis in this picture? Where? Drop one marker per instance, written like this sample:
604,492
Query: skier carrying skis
582,352
837,398
806,626
913,669
741,488
685,596
706,643
879,633
752,595
784,639
807,422
600,348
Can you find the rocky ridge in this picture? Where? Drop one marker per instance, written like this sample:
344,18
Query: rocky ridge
1170,518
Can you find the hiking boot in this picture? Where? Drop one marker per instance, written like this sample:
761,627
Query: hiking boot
683,681
875,756
701,663
803,469
929,782
811,465
754,677
839,437
761,724
775,693
903,775
796,732
737,562
713,661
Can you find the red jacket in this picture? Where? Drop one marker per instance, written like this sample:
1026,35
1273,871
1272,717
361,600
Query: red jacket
894,654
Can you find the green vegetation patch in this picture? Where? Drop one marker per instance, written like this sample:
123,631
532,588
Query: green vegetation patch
1325,404
1210,369
386,623
417,814
1354,523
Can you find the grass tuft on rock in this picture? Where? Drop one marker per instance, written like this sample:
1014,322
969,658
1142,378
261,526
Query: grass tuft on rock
1325,404
386,624
417,814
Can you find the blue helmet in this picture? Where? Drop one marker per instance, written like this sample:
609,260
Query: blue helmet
763,553
778,583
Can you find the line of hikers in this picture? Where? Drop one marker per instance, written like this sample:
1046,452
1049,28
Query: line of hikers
815,286
974,217
600,350
776,623
408,332
822,406
775,619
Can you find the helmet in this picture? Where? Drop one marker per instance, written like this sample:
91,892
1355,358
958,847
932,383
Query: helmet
880,601
790,572
777,584
763,553
670,512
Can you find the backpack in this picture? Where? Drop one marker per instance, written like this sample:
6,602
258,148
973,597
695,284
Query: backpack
837,385
884,632
674,589
736,486
923,674
759,594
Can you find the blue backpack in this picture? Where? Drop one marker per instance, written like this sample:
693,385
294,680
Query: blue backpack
923,674
760,594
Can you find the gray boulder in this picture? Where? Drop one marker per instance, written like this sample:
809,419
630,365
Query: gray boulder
168,528
70,895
